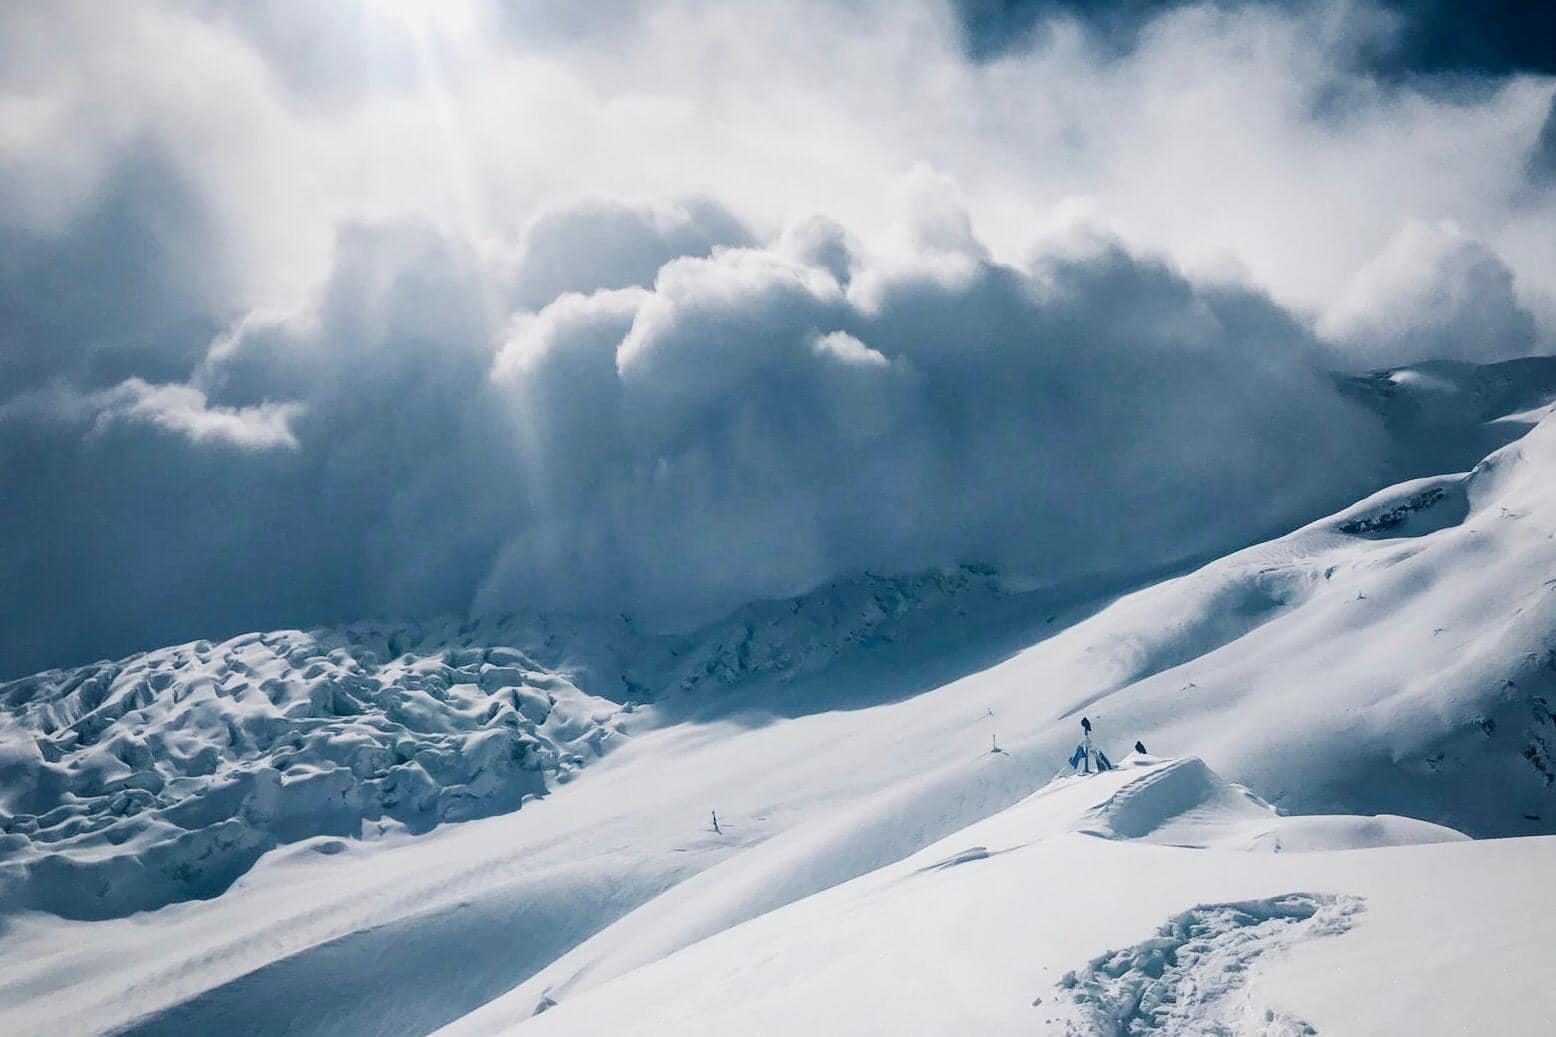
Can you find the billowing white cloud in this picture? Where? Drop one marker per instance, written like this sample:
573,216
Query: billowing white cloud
1243,137
476,305
591,243
749,424
184,409
849,351
1432,293
180,409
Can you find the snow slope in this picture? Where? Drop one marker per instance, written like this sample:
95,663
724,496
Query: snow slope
1396,660
1026,923
162,777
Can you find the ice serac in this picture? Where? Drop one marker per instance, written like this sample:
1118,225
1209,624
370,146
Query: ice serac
164,776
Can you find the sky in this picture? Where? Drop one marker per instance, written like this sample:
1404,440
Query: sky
319,312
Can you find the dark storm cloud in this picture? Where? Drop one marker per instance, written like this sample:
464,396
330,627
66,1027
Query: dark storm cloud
142,531
1489,37
1542,157
134,284
995,27
1429,37
143,514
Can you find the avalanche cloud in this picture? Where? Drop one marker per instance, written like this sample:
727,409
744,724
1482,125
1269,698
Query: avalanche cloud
387,310
745,424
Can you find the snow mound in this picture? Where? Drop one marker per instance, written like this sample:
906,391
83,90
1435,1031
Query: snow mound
163,777
1185,980
1167,795
1184,803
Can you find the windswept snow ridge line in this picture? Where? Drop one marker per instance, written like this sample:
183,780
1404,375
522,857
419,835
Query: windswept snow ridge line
1185,979
163,777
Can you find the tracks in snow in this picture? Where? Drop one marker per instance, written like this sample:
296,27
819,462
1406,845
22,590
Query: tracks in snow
1191,977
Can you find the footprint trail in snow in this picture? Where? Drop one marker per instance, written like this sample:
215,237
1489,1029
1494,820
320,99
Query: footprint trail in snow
1191,978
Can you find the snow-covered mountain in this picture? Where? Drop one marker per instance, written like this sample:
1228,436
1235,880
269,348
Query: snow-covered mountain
392,828
164,776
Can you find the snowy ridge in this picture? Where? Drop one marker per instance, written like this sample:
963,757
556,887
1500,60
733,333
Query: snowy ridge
768,647
1414,660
